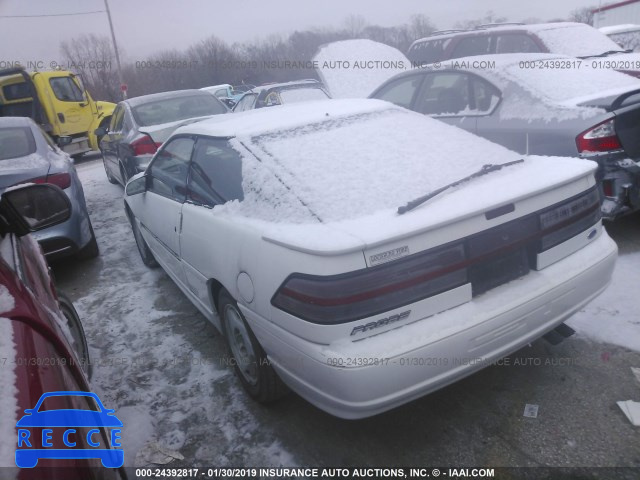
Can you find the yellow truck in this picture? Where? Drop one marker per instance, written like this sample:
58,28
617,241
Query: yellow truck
59,103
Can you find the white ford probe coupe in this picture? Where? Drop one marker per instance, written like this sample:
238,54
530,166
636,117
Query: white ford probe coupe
323,236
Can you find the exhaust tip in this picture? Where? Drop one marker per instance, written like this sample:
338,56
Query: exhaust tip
558,334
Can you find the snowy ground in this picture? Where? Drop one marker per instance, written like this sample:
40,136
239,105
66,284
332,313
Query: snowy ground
163,368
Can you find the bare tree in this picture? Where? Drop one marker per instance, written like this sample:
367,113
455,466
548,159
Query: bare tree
420,26
92,57
489,17
354,25
582,15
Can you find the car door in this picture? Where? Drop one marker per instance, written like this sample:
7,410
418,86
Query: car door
109,142
160,212
215,178
75,114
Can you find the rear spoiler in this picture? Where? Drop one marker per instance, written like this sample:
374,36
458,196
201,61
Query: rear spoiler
617,103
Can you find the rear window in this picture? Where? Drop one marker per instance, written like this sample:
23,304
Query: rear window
16,91
16,142
428,52
177,108
302,95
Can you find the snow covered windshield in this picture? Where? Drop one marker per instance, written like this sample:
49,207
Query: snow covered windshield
351,166
16,142
294,95
576,40
175,109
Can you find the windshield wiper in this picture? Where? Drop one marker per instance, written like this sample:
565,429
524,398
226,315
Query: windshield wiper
606,54
483,171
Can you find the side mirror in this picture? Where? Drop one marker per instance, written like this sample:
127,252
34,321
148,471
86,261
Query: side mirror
35,207
136,185
64,140
100,131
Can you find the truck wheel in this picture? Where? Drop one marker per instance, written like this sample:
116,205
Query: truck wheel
250,361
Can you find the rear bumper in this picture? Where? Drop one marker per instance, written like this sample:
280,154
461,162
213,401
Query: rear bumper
360,379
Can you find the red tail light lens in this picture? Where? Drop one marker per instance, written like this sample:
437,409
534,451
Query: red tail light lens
62,180
601,138
144,146
343,298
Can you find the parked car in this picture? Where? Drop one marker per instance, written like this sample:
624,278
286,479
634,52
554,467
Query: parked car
281,93
28,155
523,103
322,241
627,35
564,38
139,125
42,342
223,92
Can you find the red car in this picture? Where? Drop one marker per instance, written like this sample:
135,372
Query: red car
42,342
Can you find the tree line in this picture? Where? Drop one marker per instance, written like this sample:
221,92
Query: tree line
213,61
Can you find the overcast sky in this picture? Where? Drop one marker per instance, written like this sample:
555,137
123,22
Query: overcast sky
146,26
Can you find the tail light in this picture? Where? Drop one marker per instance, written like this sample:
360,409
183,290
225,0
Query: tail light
566,220
600,138
342,298
486,260
144,146
62,180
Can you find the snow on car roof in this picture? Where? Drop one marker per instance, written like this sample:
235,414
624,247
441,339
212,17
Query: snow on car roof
567,87
371,63
567,38
330,167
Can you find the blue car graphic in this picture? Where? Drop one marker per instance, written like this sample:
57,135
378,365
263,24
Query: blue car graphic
27,457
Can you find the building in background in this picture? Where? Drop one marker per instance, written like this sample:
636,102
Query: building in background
618,13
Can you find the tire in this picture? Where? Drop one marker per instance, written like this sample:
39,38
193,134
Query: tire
91,249
251,365
145,252
110,177
79,340
123,174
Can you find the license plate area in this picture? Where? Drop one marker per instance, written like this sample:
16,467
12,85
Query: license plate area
499,269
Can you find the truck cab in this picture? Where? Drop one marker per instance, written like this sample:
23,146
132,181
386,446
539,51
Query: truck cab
57,101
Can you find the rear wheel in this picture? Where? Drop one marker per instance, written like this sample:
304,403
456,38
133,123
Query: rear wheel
78,338
145,253
91,249
250,361
110,177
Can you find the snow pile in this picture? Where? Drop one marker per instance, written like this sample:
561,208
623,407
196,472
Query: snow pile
355,68
295,95
613,316
356,165
9,397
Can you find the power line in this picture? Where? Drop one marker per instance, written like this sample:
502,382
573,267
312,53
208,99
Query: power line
52,15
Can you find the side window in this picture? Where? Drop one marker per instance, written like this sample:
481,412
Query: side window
402,91
516,43
485,96
47,139
169,169
245,103
216,173
446,94
471,46
65,89
116,119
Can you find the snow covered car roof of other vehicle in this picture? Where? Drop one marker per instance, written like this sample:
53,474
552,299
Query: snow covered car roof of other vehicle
571,83
336,160
568,38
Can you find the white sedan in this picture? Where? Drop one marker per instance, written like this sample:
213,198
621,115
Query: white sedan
364,255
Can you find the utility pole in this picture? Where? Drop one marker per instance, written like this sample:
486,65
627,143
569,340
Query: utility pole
123,88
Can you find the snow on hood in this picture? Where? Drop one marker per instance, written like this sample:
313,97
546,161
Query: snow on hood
358,169
355,68
573,39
